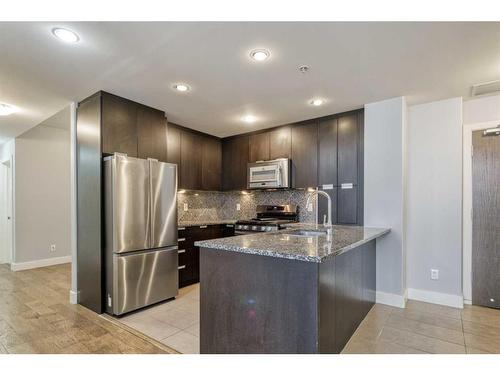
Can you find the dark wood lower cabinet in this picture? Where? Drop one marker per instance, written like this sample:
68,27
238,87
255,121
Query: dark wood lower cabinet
189,254
274,305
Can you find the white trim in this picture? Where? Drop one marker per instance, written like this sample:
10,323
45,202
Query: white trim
436,298
390,299
73,297
467,205
40,263
467,302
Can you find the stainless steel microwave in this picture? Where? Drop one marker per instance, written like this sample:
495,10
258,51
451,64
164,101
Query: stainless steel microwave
270,174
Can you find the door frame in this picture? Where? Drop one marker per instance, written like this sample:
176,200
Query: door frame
467,205
8,227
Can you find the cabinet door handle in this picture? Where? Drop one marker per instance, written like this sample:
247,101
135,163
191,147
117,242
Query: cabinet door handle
181,239
230,225
181,228
181,267
203,226
346,186
181,251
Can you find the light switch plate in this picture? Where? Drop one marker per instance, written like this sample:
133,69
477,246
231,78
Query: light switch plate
310,207
185,206
238,207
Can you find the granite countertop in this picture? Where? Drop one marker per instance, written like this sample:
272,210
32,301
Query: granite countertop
196,223
282,244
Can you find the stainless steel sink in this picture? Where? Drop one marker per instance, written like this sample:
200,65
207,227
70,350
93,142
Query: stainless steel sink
307,233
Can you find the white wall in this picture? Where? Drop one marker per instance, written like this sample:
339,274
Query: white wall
6,150
482,109
42,199
384,178
434,201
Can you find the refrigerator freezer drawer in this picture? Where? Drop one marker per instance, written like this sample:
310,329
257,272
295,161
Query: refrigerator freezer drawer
143,279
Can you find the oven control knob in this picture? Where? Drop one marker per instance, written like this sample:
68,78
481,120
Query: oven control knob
254,227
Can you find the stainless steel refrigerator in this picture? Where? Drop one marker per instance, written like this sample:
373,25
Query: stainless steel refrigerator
140,204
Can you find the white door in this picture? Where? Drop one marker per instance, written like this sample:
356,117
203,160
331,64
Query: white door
5,212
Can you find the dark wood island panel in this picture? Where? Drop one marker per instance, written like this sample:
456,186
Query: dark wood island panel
262,304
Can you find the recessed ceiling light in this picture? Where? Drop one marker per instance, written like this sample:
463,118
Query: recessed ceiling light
6,109
317,102
260,54
181,87
65,35
249,119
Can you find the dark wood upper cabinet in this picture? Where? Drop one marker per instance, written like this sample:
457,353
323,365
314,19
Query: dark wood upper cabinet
191,156
305,155
347,205
152,134
198,157
211,164
174,145
119,125
348,135
258,147
132,128
280,143
327,152
234,163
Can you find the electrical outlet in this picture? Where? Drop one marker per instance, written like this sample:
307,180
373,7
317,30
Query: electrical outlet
238,207
52,248
310,207
185,206
434,274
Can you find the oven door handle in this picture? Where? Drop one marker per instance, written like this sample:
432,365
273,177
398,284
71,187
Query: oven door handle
241,232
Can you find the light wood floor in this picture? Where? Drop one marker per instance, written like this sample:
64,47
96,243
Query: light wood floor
36,317
427,328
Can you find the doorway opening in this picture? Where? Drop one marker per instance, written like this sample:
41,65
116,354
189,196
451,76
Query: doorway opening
6,211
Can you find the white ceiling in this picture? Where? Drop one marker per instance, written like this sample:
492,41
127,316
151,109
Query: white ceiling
350,64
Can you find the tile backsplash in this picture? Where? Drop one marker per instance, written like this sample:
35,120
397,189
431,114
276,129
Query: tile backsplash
213,206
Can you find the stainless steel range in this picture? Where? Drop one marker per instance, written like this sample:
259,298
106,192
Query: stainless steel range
269,218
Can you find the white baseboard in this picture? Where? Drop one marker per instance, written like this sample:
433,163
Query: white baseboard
390,299
436,298
467,302
40,263
73,297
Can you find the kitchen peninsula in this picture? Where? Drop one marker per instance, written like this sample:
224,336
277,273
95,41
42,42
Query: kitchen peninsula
298,290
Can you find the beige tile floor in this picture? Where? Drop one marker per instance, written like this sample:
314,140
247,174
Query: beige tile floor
174,323
420,328
427,328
